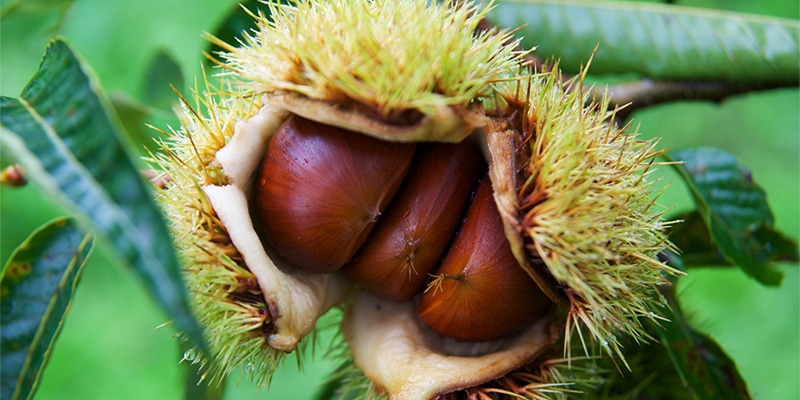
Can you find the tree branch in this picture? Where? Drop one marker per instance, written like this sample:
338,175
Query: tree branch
646,92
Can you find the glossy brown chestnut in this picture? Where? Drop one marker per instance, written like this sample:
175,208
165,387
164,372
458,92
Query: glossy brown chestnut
321,189
414,232
481,292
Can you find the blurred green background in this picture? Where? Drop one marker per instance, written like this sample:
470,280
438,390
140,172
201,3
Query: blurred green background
110,347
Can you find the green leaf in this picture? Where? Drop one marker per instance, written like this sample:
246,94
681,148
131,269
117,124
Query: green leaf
691,236
697,248
702,365
681,363
652,376
735,210
36,288
61,132
162,72
137,118
658,41
778,245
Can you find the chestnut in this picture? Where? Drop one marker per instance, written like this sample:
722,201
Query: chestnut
480,292
414,232
321,189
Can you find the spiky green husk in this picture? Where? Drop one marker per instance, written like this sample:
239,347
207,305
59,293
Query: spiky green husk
224,295
374,53
588,210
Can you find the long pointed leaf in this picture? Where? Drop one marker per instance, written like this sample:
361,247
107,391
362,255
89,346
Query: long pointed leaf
61,132
36,286
735,210
658,41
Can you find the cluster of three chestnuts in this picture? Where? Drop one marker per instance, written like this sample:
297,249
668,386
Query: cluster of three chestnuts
393,217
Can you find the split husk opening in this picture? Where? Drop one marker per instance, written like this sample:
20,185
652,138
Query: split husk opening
533,124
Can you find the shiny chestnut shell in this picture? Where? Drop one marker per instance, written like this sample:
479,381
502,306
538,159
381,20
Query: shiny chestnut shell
419,224
482,293
321,189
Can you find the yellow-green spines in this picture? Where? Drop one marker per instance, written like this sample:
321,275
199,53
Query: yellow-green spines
374,55
588,210
224,294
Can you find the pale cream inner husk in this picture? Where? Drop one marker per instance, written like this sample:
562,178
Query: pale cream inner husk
296,299
411,362
446,124
386,340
